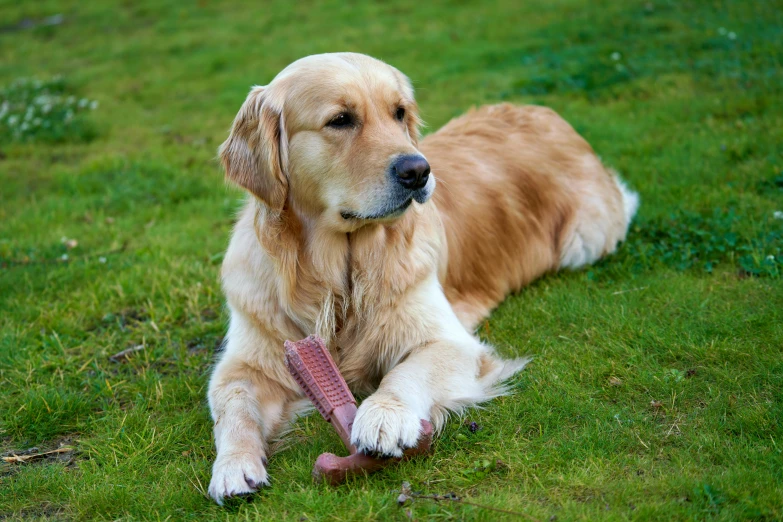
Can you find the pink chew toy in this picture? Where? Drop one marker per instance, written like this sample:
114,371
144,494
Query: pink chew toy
314,370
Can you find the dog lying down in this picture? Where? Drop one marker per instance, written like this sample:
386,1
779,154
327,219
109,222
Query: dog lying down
345,236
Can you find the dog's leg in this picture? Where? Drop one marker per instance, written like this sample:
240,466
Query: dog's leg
443,376
449,373
249,405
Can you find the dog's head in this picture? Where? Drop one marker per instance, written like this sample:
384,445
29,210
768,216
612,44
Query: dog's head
334,136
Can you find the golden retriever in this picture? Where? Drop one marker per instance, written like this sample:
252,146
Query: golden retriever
345,236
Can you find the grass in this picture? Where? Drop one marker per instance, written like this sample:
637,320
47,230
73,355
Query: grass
657,386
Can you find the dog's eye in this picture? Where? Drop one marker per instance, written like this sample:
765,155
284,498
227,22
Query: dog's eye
400,114
343,119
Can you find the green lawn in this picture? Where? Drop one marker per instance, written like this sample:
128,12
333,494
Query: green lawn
656,392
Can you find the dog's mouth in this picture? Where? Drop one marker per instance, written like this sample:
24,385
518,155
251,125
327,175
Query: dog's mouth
384,214
394,209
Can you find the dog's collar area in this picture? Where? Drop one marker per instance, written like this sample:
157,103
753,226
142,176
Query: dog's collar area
347,215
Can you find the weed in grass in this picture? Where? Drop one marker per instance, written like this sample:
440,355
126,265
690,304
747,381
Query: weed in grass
687,240
44,111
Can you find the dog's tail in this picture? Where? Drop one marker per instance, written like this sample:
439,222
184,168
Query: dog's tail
630,198
599,225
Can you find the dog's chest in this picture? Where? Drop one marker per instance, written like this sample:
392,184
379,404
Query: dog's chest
376,322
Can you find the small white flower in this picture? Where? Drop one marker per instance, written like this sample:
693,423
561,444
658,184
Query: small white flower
778,214
770,257
63,239
616,56
83,103
12,120
71,100
94,104
732,36
101,259
46,108
64,257
721,30
25,126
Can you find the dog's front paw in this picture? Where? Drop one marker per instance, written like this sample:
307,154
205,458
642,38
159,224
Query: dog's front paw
237,474
385,426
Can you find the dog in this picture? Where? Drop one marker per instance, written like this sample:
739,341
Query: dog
344,235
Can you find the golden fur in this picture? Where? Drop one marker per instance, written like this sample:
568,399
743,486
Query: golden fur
396,298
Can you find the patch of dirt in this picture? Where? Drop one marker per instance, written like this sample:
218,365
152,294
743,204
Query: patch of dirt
199,344
209,314
29,23
45,510
61,450
124,319
586,494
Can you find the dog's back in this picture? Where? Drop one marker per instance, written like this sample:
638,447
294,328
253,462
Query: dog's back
520,194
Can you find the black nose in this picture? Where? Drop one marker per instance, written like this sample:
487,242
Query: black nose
412,172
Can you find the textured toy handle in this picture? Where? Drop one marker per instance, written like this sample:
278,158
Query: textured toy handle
313,368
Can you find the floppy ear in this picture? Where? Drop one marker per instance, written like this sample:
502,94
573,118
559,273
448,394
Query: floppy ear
255,155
